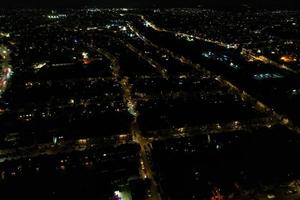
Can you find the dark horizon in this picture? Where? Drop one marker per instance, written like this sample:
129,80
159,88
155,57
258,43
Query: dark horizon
269,4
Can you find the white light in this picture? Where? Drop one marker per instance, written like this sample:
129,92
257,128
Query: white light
117,193
85,55
54,140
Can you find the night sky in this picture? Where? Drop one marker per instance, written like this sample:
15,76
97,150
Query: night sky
149,3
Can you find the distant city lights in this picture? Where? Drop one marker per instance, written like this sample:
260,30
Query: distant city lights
57,16
266,76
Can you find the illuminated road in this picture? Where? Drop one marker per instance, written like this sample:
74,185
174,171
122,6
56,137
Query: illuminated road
258,105
5,68
215,128
145,165
60,147
250,55
131,105
146,170
247,53
152,62
153,26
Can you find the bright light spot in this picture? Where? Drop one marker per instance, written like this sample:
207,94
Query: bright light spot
82,141
181,130
271,196
288,58
56,16
190,39
124,28
285,121
85,55
266,76
54,140
38,66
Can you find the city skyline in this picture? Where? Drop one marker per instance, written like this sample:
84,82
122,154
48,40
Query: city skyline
231,4
150,104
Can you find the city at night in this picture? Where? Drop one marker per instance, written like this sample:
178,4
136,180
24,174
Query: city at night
150,100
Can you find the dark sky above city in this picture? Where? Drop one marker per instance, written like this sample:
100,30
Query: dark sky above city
150,3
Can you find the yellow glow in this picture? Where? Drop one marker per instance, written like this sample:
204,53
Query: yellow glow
82,141
288,58
38,66
285,121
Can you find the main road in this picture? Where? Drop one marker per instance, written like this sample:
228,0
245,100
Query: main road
260,106
145,165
